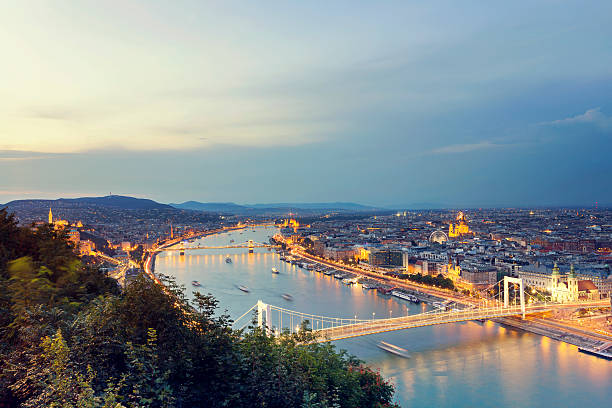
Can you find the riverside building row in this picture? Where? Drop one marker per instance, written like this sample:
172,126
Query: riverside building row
476,248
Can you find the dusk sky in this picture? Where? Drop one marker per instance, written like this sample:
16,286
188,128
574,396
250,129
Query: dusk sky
451,103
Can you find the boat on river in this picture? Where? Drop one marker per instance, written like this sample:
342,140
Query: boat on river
596,352
228,260
275,271
393,349
196,283
405,296
287,296
244,288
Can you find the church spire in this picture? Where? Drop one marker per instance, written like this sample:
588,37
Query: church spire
572,273
50,216
555,270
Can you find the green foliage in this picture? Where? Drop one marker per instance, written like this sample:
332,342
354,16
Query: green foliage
439,281
68,338
138,255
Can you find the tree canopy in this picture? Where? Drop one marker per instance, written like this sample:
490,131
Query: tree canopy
69,337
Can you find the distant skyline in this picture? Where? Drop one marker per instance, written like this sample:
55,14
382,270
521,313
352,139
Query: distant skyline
469,104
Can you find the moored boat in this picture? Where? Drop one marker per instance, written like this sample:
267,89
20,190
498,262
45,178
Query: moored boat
597,353
405,296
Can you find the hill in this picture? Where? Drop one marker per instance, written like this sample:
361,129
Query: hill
213,207
115,201
273,207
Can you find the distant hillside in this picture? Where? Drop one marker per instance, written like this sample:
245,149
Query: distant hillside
317,206
115,201
272,207
213,207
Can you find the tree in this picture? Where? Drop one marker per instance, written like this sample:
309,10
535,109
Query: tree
69,338
29,286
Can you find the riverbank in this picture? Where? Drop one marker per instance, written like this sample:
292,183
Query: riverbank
543,327
149,267
559,332
438,294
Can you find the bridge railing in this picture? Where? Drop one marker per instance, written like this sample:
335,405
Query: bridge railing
277,319
425,319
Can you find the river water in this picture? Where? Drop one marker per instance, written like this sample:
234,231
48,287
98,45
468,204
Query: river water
455,365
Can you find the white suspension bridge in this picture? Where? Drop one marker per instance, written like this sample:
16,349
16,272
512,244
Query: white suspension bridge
276,320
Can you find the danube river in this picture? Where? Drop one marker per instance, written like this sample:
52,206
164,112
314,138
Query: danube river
456,365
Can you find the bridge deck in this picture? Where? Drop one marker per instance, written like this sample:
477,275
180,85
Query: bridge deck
343,330
420,320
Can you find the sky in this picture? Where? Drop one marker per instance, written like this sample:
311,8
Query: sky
394,103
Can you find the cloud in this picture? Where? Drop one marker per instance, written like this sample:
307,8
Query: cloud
464,148
18,155
52,113
591,116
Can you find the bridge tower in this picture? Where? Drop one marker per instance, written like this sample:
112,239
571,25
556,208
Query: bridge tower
263,316
508,279
260,309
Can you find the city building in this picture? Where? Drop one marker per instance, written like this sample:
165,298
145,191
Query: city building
386,257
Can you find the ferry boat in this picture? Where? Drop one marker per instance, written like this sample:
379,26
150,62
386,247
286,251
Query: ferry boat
195,283
596,352
393,349
244,288
275,271
405,296
287,296
228,260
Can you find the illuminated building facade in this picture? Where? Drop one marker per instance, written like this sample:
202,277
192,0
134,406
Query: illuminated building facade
57,224
460,228
386,257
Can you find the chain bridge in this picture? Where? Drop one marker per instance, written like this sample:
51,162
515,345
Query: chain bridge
246,245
